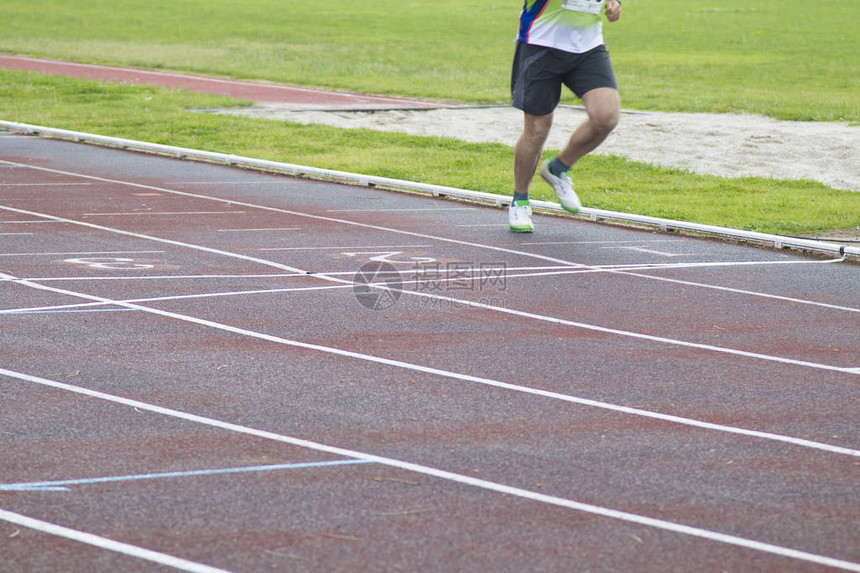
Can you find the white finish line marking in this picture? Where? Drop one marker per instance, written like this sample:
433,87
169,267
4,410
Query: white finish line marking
449,476
109,544
80,254
81,309
164,213
485,225
537,272
446,240
488,307
625,333
258,230
231,203
649,241
44,184
164,277
62,485
399,210
348,247
652,251
457,375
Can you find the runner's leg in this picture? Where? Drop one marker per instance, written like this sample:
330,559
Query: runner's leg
528,149
603,107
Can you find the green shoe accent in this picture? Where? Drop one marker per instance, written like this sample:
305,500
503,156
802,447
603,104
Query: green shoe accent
519,216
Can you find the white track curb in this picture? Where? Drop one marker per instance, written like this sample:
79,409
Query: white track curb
776,241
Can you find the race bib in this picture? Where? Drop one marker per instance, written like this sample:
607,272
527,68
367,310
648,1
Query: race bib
589,6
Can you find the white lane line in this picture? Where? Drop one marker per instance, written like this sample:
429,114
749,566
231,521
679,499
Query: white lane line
747,292
15,234
642,336
163,213
165,277
415,271
159,240
231,203
436,278
367,226
627,270
349,248
345,285
458,268
454,477
82,307
78,254
44,184
566,264
63,485
521,314
258,230
108,544
456,375
641,249
211,183
629,334
71,310
399,210
562,243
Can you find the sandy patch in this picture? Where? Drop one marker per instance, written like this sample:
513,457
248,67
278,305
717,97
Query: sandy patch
715,144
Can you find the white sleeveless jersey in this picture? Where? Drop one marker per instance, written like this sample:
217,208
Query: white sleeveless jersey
569,25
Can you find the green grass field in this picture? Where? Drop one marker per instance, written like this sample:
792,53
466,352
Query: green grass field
775,57
790,59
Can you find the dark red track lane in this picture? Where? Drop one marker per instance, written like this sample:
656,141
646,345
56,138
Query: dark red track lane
290,97
218,260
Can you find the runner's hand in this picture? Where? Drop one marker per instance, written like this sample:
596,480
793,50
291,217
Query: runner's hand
613,10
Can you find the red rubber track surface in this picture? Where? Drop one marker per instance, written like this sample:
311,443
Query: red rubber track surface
266,93
537,382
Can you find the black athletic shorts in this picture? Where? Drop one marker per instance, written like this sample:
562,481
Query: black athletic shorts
538,73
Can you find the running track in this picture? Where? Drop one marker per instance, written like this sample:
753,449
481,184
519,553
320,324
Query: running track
190,381
282,96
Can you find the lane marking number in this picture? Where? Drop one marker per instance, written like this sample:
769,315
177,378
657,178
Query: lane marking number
386,257
109,263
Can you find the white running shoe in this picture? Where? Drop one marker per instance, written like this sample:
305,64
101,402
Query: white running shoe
520,217
563,188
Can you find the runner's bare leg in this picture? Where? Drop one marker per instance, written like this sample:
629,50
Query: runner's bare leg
528,149
603,107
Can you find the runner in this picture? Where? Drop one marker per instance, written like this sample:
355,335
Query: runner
560,42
